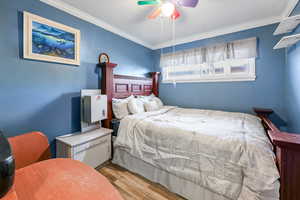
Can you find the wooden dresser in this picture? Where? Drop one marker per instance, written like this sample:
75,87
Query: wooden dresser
287,151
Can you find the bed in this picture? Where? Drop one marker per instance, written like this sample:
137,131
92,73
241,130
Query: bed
200,154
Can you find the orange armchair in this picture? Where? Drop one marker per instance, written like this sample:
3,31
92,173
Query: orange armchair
39,177
29,148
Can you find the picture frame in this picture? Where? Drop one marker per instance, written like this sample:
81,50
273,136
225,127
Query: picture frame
46,40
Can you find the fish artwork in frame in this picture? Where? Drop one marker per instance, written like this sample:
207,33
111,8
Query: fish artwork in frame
46,40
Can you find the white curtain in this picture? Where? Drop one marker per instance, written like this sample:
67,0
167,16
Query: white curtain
240,49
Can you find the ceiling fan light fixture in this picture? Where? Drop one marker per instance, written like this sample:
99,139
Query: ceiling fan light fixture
167,9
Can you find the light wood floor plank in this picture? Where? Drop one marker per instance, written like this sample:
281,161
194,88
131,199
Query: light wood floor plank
135,187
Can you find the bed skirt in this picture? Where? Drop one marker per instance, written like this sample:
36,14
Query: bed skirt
175,184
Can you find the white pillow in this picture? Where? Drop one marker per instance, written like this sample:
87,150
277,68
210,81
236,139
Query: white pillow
151,106
120,107
159,102
135,106
146,98
152,95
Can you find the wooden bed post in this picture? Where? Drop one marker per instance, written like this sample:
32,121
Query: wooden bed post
287,151
155,81
107,88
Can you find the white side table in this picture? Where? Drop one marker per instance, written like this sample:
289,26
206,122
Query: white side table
93,147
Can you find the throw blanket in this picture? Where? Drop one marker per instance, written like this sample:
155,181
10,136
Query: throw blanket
227,153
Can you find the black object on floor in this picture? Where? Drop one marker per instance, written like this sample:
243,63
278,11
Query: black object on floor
7,166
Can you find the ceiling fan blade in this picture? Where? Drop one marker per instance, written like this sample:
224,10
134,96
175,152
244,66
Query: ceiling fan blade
150,2
155,14
188,3
175,15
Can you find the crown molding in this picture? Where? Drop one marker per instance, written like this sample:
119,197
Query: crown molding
91,19
219,32
232,29
249,25
289,8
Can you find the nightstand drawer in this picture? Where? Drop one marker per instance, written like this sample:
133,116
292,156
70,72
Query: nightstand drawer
94,153
93,147
92,144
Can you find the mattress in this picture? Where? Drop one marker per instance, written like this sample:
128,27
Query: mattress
182,187
226,153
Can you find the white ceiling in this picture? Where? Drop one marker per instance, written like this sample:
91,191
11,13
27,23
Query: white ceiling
210,18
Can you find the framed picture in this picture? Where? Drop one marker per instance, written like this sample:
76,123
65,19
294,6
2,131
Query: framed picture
50,41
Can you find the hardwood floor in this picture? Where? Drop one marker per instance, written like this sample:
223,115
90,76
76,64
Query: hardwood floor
134,187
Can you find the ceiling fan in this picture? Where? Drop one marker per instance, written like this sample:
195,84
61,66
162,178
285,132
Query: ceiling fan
168,8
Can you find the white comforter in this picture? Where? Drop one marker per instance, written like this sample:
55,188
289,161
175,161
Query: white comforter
227,153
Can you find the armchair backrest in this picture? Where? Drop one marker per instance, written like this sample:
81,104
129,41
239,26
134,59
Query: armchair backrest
29,148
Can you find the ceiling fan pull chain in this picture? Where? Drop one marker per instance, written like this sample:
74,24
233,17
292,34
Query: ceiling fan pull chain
173,48
161,33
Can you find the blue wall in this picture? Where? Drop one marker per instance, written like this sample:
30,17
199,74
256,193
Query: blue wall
45,96
292,83
267,91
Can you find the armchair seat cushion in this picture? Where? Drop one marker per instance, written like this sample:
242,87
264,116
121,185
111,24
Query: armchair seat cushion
62,179
11,195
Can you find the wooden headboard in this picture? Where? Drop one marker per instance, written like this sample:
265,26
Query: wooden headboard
122,86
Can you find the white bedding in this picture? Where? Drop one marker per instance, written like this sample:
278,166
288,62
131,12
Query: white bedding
227,153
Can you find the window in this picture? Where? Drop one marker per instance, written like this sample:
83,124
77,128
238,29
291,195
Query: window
233,61
229,70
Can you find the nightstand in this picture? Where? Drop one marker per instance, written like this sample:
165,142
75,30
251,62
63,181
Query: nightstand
115,123
92,148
